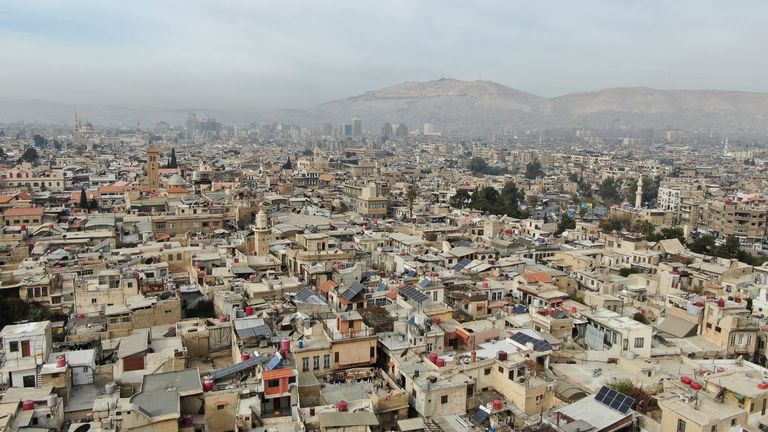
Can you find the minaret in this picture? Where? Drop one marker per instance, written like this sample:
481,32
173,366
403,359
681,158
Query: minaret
153,169
261,234
639,193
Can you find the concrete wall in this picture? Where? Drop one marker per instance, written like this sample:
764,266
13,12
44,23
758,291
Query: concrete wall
221,410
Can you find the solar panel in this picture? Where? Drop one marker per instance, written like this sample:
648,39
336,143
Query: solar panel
538,344
627,405
412,293
352,291
274,362
614,399
601,393
304,294
237,367
480,416
460,266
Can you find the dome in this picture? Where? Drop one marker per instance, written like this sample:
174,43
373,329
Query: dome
176,180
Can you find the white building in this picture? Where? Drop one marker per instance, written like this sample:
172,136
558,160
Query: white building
25,347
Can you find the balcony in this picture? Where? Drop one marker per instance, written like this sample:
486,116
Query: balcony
335,335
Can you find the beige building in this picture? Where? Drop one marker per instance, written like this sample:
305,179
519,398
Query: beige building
737,219
730,326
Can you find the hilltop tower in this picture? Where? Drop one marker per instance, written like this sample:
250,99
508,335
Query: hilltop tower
639,193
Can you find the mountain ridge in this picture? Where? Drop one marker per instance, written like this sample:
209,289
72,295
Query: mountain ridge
462,107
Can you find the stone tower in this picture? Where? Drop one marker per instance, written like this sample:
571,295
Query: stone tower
261,234
639,193
153,169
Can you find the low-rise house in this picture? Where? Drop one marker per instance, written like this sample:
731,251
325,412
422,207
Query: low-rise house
25,347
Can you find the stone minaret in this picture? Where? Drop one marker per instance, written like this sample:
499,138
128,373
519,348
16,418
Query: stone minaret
153,169
639,193
261,234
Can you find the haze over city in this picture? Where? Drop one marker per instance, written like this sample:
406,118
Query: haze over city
245,55
408,216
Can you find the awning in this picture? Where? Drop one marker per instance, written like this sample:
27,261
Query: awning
676,327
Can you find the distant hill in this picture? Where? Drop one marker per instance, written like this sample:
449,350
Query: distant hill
462,107
482,106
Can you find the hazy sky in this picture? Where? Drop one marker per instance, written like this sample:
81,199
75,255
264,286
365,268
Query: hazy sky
284,54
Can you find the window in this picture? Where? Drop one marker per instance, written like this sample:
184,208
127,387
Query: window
13,346
326,361
336,357
680,425
639,342
28,381
501,369
626,343
316,362
511,374
30,292
444,399
487,371
373,351
273,383
305,364
714,428
93,301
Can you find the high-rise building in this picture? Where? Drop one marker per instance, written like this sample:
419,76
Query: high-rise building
386,131
357,127
153,169
429,129
346,130
327,129
192,123
401,131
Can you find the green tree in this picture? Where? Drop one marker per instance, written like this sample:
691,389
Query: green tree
533,170
729,249
703,245
646,228
670,233
478,165
609,191
460,199
623,385
29,155
566,222
83,199
288,164
533,201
